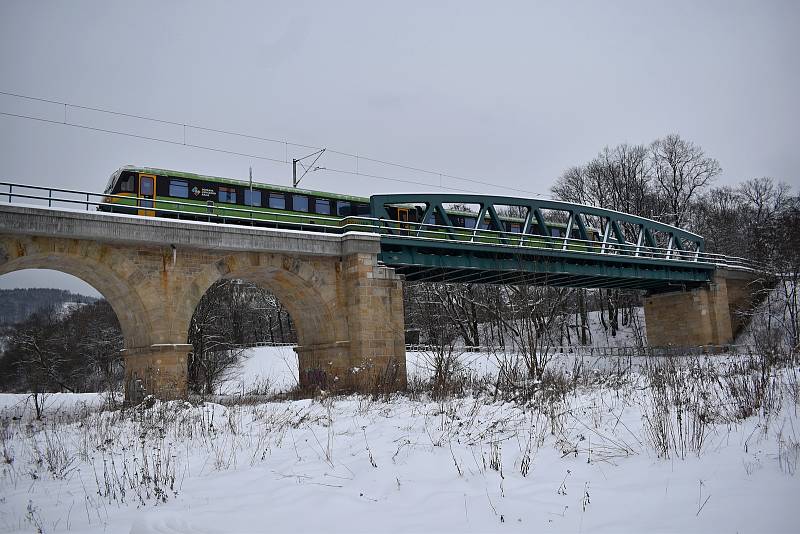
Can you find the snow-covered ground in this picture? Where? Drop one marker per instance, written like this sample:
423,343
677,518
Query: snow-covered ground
589,462
263,369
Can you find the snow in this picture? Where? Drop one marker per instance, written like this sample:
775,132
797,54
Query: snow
403,464
68,307
15,405
273,368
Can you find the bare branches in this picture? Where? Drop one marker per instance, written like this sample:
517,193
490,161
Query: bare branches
232,314
682,170
77,350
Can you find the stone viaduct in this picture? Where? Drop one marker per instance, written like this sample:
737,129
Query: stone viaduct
347,307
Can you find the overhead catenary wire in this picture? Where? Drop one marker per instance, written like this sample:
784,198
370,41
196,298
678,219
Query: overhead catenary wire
225,151
437,175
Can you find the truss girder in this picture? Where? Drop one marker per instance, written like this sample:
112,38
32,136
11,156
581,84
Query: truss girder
478,264
613,224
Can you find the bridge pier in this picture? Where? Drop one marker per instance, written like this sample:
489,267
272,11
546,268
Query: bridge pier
158,370
709,315
373,353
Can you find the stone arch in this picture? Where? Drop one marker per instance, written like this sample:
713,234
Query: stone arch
307,288
92,263
312,292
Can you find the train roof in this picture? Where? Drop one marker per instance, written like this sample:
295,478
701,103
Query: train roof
231,181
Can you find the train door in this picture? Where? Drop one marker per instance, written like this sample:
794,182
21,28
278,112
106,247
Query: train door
147,194
402,216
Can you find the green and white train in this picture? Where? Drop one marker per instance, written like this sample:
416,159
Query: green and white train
164,193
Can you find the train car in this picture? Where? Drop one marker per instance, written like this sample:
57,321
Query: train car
164,193
155,192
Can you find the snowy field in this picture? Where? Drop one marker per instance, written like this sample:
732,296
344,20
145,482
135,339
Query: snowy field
602,458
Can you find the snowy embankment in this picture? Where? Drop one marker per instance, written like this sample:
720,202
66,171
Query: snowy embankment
611,454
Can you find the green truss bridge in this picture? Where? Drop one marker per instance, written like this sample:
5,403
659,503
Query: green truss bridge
555,243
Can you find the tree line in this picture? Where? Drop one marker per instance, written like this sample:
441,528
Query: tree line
18,304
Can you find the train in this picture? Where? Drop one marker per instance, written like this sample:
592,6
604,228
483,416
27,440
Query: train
156,192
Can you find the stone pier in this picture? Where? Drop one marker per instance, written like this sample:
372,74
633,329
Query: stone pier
703,316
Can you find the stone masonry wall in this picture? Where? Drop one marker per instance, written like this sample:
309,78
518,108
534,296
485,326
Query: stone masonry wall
702,316
347,309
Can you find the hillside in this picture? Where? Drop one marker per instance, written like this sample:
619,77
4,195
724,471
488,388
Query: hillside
18,304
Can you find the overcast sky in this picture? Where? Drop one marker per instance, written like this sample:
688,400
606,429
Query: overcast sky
510,93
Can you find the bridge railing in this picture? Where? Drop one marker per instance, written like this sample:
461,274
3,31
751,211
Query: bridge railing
461,237
421,233
113,204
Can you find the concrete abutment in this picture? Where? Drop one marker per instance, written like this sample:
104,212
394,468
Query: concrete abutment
703,316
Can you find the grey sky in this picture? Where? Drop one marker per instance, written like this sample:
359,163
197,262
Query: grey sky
509,93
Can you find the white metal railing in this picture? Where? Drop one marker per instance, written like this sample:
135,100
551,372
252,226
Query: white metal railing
417,231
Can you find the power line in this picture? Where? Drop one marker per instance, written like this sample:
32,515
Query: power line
284,142
138,136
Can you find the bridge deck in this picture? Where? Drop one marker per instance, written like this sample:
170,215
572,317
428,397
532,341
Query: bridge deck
433,260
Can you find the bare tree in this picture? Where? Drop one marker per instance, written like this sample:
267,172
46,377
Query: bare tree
231,316
682,172
722,218
38,357
766,197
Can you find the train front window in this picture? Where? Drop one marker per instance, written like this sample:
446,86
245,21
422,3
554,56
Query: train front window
322,206
227,194
126,185
252,197
342,208
277,201
300,203
179,188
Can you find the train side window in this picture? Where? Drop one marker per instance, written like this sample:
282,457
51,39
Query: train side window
252,198
178,188
431,218
516,228
277,201
227,194
343,208
322,206
126,185
362,209
299,203
555,232
469,222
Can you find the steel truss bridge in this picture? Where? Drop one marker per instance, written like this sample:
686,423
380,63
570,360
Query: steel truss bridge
600,248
